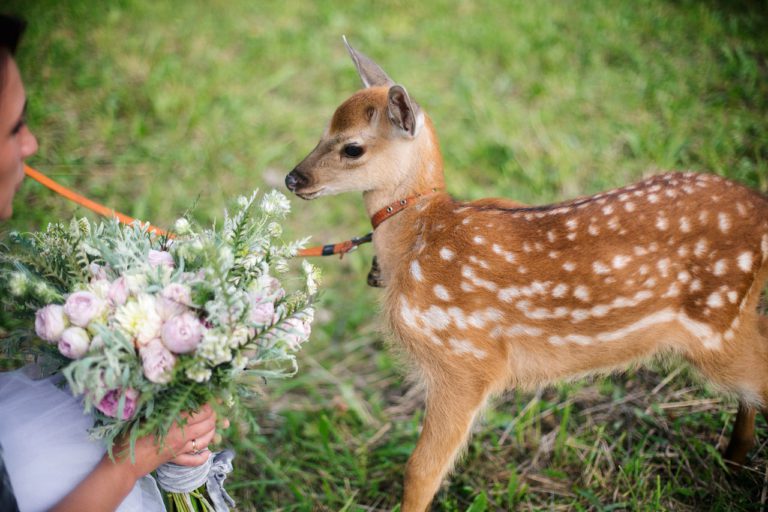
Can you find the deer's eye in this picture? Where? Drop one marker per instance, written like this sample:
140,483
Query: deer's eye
353,151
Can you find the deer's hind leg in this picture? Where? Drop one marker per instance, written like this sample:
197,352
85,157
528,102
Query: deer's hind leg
753,390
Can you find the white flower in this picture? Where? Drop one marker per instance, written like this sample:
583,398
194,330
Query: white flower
215,348
18,284
100,287
199,373
139,319
274,229
74,342
312,274
82,307
50,322
275,203
181,226
135,283
239,336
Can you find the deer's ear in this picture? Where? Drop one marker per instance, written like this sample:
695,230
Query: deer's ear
402,112
370,72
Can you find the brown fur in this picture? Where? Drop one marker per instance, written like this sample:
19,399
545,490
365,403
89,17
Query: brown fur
490,294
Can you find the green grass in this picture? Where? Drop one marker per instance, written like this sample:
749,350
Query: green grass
151,106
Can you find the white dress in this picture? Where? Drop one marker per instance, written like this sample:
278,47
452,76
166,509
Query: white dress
46,448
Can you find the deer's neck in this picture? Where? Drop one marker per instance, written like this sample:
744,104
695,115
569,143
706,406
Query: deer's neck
415,168
420,171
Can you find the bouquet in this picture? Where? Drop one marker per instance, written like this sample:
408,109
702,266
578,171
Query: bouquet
144,327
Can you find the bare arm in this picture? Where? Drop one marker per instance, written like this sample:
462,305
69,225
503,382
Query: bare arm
111,481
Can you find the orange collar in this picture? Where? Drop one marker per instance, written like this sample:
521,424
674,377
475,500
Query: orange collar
396,207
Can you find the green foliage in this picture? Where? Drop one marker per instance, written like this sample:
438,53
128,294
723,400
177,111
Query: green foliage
145,106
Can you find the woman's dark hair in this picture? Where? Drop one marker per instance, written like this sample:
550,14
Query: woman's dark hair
11,29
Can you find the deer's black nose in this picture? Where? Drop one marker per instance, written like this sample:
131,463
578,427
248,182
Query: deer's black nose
294,180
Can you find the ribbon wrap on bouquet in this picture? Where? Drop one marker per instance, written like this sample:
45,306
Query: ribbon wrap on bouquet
185,479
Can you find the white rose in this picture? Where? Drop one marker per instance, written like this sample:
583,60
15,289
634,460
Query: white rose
139,319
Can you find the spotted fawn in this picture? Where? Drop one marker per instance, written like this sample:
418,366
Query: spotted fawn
492,294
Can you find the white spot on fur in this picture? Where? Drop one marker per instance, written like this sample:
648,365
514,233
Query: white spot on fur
695,285
720,267
600,268
478,240
700,250
629,206
613,223
560,290
569,266
745,261
663,266
724,222
416,271
572,224
662,223
685,225
593,230
620,261
465,347
581,292
446,254
607,210
653,198
441,292
683,276
715,300
435,318
732,296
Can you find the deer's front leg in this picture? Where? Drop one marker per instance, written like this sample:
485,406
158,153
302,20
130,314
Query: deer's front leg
449,417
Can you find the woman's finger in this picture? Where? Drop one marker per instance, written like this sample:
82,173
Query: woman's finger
190,459
202,414
201,442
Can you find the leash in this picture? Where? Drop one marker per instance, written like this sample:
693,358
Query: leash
340,248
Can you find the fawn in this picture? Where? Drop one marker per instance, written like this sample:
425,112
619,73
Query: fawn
491,294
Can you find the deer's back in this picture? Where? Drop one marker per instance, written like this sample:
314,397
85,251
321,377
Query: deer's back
682,248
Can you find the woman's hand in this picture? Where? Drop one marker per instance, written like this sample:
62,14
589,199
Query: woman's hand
187,445
111,481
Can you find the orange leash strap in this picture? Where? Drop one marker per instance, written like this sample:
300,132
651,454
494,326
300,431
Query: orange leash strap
81,200
322,250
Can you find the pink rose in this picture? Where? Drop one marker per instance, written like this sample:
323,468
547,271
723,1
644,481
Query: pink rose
269,288
82,307
262,312
74,342
298,332
182,333
97,271
118,291
50,322
173,300
157,361
110,404
158,258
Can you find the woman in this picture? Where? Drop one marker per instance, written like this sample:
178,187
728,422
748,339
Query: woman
50,462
